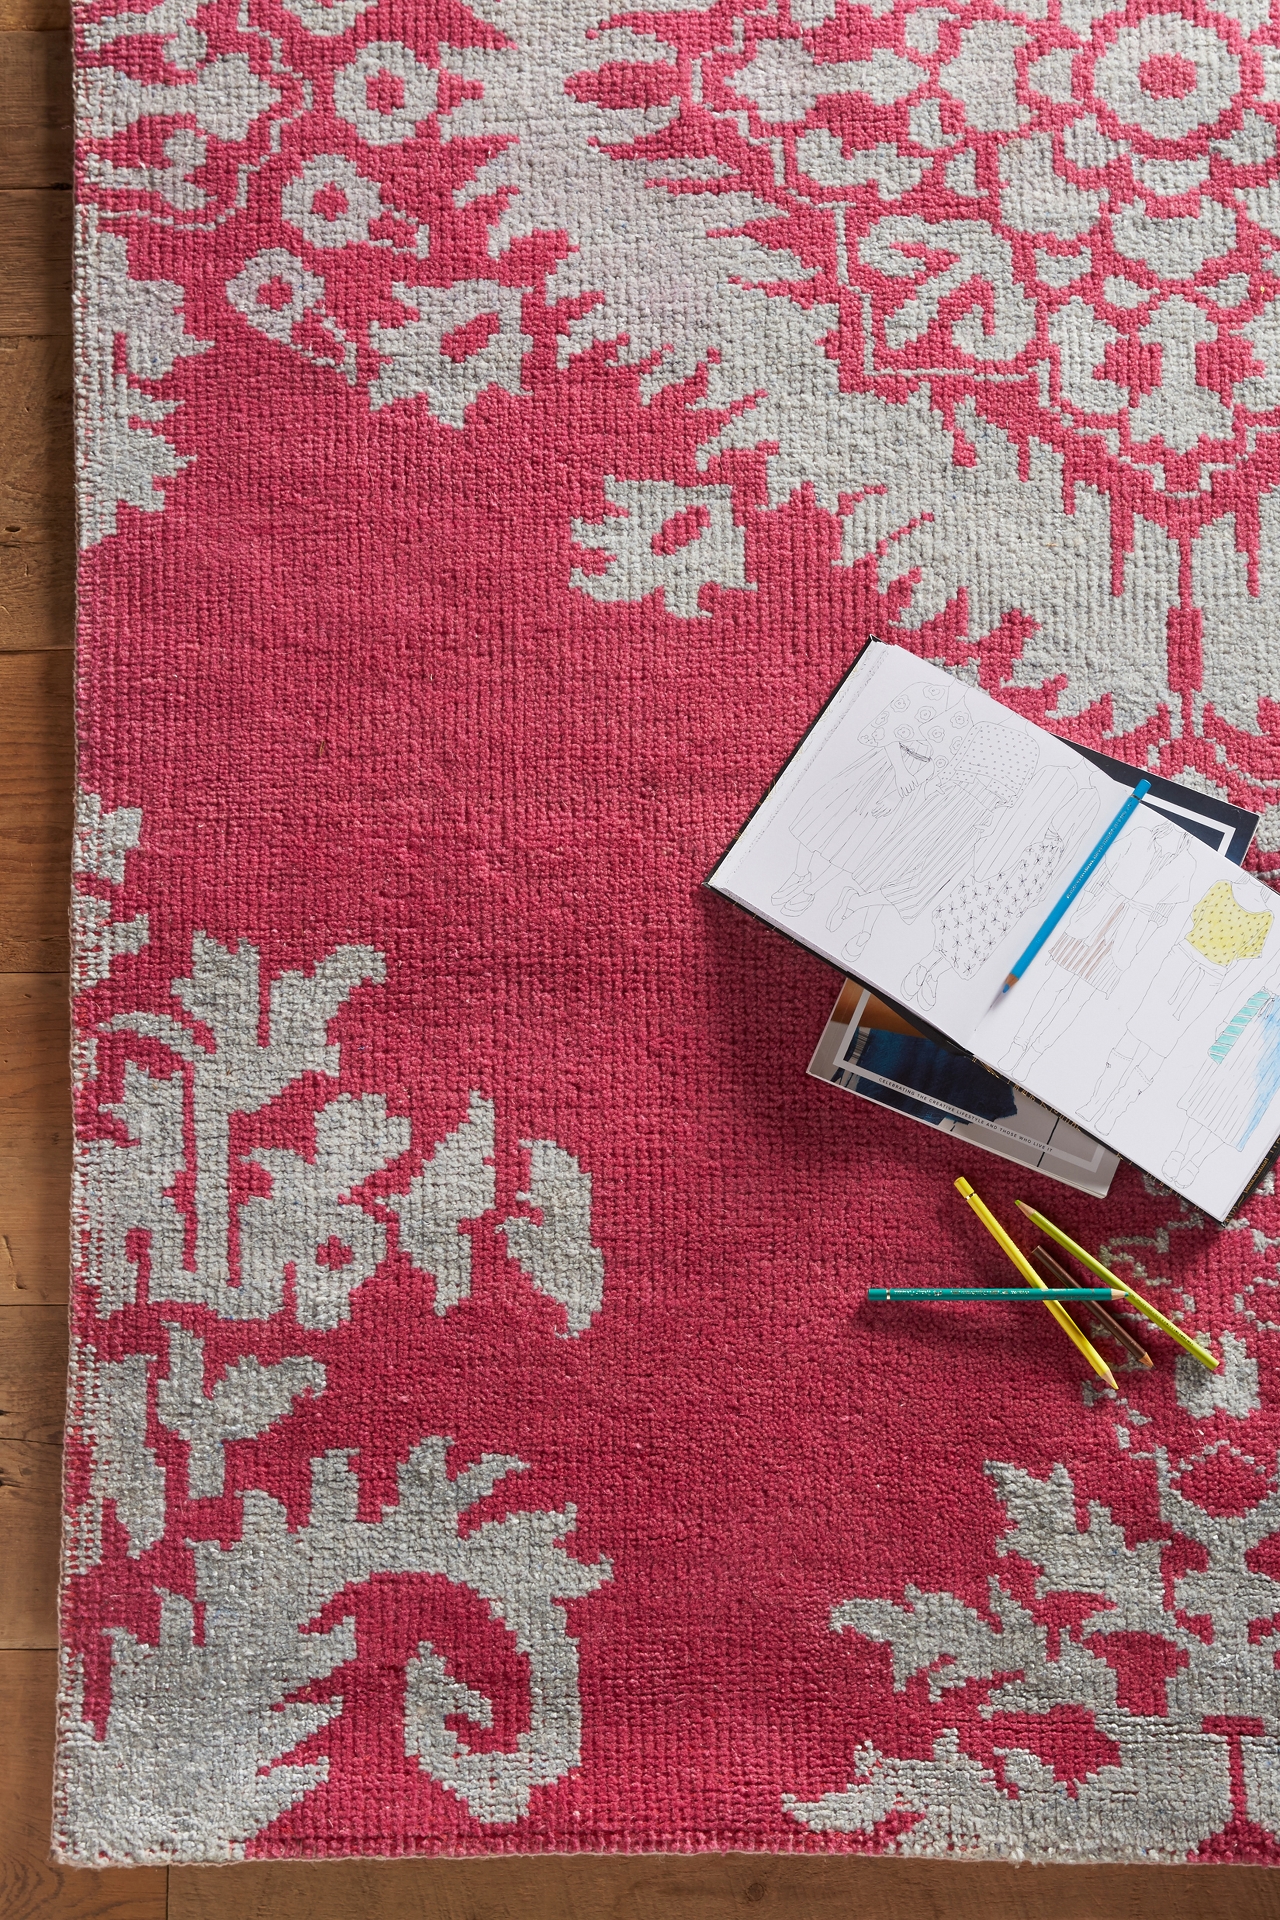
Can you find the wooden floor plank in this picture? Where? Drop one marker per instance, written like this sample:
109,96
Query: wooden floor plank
35,246
34,1023
36,810
37,494
35,1182
35,16
35,1139
33,1358
30,1887
30,1499
716,1887
33,1371
35,110
38,592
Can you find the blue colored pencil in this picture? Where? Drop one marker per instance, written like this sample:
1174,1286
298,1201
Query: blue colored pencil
1024,959
1020,1294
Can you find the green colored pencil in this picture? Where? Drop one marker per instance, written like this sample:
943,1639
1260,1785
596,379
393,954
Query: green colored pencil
1022,1295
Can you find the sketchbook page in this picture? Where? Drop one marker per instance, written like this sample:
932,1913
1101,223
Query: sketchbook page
1152,1017
918,836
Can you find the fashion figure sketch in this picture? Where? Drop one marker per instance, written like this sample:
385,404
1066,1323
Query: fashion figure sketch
1012,872
1234,1087
1145,877
903,821
1222,933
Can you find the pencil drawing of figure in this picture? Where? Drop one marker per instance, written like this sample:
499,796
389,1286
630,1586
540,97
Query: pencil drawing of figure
1145,877
903,820
1220,935
907,742
1233,1089
1012,873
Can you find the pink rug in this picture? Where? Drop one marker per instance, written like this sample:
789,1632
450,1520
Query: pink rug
500,425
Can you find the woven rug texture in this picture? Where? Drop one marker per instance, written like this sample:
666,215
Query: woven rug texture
500,424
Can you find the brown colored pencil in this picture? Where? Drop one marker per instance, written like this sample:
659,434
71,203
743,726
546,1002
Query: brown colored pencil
1057,1276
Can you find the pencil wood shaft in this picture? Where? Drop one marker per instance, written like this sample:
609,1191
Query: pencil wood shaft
1057,1276
1153,1314
1029,1274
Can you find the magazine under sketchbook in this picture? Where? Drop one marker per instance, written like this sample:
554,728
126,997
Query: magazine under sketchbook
919,836
867,1049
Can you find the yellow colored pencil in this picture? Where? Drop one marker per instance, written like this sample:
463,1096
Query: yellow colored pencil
1135,1299
1032,1278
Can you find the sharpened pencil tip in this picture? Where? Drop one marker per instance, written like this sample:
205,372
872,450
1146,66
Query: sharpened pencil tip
1147,1361
1110,1379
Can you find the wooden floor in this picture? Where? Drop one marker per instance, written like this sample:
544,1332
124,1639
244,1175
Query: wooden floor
36,597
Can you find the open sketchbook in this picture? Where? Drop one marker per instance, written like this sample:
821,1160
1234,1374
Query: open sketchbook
920,834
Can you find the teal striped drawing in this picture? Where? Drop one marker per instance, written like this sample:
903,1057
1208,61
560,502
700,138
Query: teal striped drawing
1236,1026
